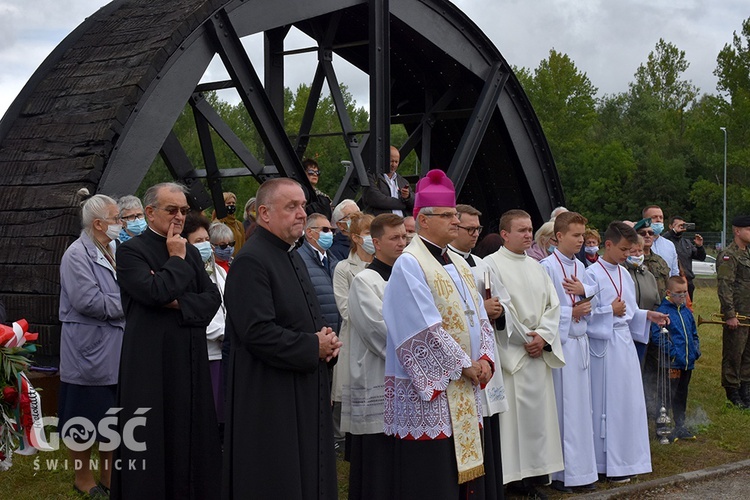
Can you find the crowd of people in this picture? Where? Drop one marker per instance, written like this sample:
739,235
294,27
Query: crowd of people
439,366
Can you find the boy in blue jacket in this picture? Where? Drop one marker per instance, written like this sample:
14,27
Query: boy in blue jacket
682,346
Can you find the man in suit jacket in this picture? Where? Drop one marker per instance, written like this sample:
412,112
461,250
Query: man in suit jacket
389,192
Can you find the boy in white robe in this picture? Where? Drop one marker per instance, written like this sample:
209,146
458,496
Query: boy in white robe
572,381
528,352
619,410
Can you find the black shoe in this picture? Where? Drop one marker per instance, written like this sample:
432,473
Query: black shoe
525,489
683,433
733,395
560,486
96,492
619,479
745,393
586,487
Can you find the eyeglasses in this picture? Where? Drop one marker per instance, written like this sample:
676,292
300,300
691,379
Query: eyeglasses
444,215
325,229
225,245
472,230
132,218
115,219
313,172
173,210
646,233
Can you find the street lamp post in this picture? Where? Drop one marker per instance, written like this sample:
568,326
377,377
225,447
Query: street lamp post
724,223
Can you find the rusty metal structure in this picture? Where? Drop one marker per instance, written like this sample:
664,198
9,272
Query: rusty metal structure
102,106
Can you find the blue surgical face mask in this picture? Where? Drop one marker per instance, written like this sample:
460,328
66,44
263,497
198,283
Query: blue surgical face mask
551,249
204,247
124,236
137,226
325,240
225,254
591,250
367,244
657,227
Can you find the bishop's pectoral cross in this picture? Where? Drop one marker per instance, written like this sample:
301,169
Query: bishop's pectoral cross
470,314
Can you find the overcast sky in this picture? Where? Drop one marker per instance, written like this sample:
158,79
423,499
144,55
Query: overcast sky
607,39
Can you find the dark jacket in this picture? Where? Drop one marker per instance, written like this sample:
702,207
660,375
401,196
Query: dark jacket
683,345
687,252
377,197
322,280
341,246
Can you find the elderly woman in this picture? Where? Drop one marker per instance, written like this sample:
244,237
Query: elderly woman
223,244
360,254
195,231
543,241
238,230
93,323
131,214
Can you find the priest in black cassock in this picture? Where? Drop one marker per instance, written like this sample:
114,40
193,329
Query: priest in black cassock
164,387
279,430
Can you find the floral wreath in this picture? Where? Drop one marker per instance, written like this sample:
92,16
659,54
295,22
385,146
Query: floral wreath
20,405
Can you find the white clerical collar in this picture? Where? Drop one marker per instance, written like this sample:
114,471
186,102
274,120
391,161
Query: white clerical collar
463,254
442,249
157,232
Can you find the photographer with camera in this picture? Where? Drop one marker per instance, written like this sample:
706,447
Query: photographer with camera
687,250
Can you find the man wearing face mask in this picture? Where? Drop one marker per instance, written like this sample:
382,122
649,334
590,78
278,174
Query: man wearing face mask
238,230
320,265
687,251
661,246
131,215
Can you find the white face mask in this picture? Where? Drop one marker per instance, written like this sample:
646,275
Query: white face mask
367,245
113,231
591,250
636,260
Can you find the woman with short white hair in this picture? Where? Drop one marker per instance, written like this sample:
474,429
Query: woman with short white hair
131,214
223,243
93,323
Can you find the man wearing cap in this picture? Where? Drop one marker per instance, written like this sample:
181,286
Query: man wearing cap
438,357
529,429
733,272
653,261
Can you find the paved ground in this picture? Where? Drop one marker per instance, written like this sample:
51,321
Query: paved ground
729,481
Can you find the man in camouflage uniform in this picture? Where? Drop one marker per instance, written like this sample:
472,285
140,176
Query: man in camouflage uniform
653,262
733,271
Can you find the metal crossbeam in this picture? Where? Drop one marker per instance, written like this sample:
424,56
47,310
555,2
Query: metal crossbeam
181,168
380,82
269,126
477,126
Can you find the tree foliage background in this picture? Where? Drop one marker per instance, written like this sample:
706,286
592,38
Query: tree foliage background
659,142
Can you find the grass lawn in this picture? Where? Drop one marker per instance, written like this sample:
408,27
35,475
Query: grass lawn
723,433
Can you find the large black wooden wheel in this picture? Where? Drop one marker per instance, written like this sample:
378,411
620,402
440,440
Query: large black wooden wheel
102,107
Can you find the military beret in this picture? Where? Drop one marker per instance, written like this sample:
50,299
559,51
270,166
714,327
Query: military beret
741,221
642,223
